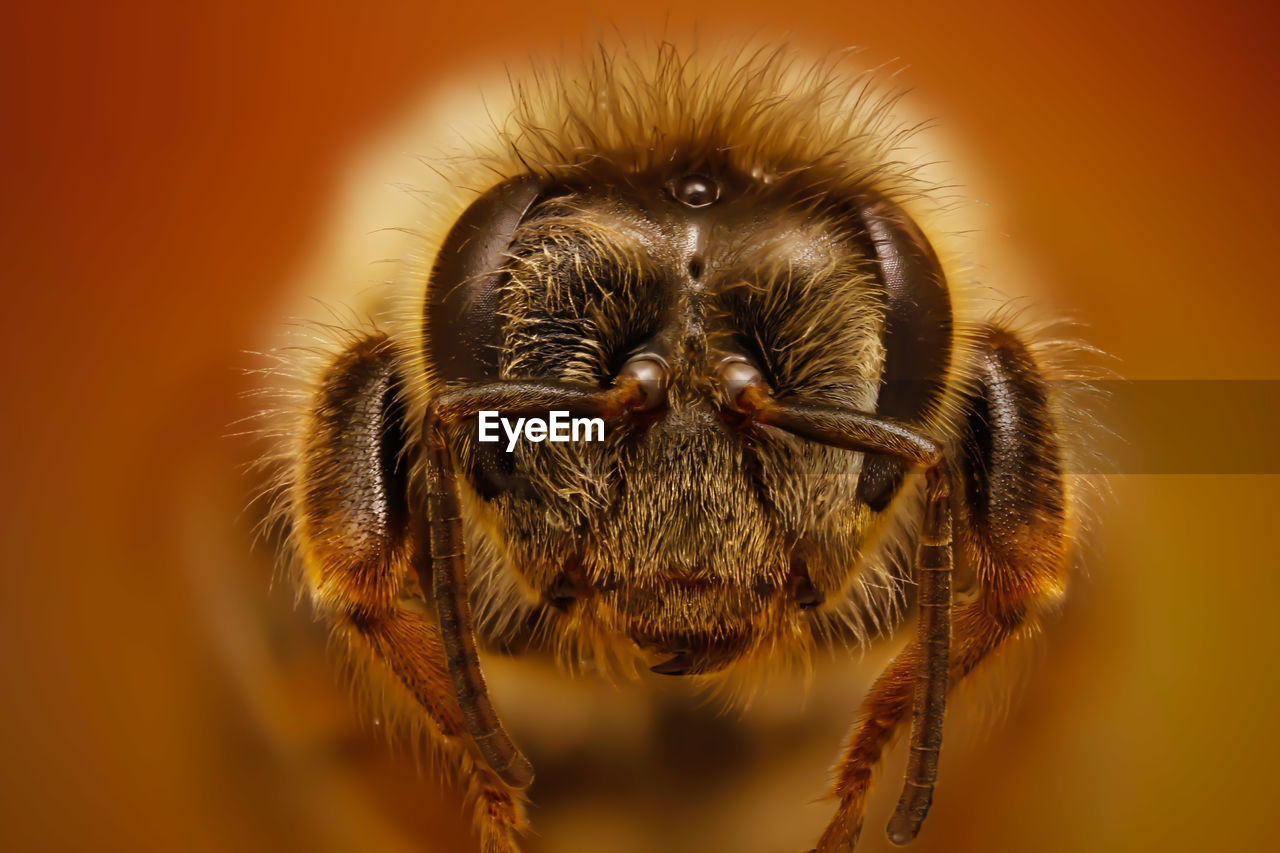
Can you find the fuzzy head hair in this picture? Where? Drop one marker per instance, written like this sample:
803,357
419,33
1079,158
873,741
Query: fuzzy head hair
691,208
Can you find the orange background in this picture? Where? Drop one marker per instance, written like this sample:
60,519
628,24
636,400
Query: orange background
168,168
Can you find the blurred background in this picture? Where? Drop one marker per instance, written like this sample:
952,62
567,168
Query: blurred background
174,173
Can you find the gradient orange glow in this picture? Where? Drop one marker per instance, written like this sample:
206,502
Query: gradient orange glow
168,168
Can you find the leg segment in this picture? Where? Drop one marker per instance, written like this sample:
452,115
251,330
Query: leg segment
351,509
927,666
447,565
933,580
1010,513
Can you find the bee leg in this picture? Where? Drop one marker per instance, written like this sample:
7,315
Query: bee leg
351,509
918,676
1010,521
916,679
445,566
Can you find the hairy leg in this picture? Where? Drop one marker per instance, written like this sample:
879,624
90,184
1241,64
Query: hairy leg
351,512
1010,514
446,563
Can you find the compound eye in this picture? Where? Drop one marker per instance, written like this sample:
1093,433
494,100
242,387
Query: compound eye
650,373
736,376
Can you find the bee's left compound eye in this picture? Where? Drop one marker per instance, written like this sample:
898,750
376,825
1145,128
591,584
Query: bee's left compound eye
650,373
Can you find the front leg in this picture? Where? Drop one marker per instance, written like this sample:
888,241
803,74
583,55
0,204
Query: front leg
1010,511
351,516
446,565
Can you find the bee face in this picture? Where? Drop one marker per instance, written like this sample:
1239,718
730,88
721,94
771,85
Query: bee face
717,260
687,534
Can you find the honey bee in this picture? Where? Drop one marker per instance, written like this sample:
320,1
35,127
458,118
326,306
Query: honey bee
804,431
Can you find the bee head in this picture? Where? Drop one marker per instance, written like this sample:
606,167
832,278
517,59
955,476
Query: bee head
687,528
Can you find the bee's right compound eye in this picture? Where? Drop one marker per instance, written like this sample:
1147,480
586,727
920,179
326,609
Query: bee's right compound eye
650,373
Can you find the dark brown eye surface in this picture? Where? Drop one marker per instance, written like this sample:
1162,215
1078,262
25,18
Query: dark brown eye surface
695,190
462,301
